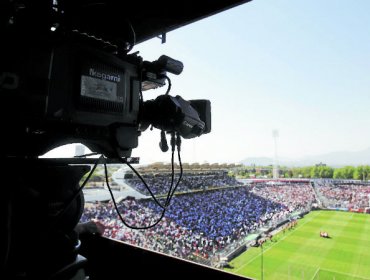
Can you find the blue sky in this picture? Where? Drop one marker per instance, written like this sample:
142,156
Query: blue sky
301,67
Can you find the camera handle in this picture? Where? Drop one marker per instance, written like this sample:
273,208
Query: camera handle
163,143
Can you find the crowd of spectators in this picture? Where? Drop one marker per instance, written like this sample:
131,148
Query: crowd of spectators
229,213
348,195
296,196
201,224
160,183
167,236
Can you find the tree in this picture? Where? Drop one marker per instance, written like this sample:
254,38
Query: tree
205,165
348,172
195,165
362,172
326,172
367,172
359,173
338,173
288,173
315,172
306,172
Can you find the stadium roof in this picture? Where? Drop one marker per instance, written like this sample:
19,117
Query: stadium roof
150,18
117,20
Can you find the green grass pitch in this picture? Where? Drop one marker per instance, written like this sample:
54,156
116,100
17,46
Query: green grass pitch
302,254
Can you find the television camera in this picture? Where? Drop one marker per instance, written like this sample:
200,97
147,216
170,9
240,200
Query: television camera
70,86
66,77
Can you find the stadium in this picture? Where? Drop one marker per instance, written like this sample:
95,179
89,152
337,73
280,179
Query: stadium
257,228
104,75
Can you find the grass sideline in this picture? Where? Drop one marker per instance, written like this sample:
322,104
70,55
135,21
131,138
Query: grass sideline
302,254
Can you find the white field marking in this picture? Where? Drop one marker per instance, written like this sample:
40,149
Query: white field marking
317,271
347,274
273,245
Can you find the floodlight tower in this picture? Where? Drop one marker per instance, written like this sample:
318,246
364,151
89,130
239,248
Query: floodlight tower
275,170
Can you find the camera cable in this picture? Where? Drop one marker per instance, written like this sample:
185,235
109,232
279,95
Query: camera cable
175,142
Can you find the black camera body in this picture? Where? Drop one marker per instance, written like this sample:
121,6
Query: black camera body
66,76
69,91
189,118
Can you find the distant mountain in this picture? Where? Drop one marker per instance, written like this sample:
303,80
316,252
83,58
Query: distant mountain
334,159
264,161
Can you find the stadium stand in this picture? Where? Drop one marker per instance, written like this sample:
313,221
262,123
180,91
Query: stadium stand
209,224
213,217
159,183
344,195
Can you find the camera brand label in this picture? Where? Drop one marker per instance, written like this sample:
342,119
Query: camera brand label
104,76
99,89
187,124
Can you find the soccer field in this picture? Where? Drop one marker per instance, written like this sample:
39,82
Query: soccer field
302,254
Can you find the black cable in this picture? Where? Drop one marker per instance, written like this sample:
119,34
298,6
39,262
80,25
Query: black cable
69,203
172,179
169,85
178,144
181,172
175,142
86,155
118,212
172,168
145,184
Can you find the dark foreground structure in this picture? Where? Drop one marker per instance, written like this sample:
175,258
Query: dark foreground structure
66,76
